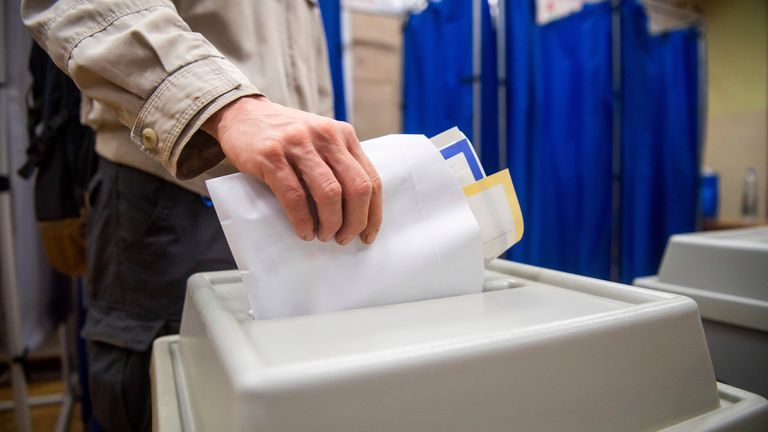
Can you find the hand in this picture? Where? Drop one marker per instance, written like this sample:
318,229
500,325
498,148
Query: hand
313,164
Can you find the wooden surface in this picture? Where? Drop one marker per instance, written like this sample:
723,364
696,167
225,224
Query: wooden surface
43,417
723,223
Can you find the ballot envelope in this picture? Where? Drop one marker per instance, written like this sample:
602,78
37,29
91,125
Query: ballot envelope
537,350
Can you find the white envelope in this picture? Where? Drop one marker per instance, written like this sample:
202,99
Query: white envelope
429,244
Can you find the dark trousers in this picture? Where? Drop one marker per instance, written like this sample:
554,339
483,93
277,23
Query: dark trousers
145,237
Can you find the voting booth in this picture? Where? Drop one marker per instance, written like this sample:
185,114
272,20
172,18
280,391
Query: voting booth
726,273
535,350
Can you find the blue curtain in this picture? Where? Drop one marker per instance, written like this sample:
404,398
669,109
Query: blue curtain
560,136
520,34
438,75
437,69
489,84
560,125
660,151
331,12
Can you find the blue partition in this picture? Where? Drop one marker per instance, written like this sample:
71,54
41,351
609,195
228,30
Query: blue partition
489,97
559,123
660,144
560,139
437,69
331,12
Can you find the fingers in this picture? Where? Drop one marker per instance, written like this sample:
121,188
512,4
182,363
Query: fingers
341,187
375,207
289,191
356,190
316,169
360,184
325,190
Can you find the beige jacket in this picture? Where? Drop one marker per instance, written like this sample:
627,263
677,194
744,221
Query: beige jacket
152,71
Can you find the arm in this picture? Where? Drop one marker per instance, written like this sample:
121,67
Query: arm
141,61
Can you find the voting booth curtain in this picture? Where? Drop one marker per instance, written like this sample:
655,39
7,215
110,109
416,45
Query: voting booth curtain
331,13
438,75
660,139
560,122
437,69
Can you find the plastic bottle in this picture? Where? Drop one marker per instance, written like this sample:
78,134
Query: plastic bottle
709,191
749,195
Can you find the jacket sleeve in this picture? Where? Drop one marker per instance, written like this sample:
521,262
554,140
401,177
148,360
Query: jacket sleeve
141,61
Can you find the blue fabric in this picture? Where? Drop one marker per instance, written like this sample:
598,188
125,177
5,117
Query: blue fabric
560,137
660,153
521,31
709,191
438,75
560,125
331,12
437,69
489,85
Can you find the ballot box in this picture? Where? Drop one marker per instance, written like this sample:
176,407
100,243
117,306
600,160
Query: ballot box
538,350
726,273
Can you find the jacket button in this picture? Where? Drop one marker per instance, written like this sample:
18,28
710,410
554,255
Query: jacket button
149,138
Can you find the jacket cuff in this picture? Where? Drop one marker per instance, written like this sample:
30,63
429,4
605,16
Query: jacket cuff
168,126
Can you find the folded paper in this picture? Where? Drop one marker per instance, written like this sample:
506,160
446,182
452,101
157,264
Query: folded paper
460,155
429,244
494,203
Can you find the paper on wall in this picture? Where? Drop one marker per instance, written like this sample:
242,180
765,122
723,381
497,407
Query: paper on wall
494,203
552,10
460,155
429,244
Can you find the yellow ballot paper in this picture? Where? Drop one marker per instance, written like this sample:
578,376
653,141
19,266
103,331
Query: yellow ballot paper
494,203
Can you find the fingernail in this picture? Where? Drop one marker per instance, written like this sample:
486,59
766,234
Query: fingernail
345,240
370,237
308,237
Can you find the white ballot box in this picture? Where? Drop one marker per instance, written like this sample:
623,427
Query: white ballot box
726,273
538,350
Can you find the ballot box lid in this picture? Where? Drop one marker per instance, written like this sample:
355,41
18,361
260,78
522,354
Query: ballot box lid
540,350
726,272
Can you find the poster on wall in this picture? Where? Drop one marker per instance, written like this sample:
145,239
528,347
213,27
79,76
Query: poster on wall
551,10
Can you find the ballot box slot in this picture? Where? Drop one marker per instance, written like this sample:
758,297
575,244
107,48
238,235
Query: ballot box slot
500,284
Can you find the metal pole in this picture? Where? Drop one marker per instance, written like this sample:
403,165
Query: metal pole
501,58
9,289
11,306
7,262
477,73
616,180
67,396
701,116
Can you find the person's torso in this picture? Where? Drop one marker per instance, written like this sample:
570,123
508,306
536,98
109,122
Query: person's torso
278,44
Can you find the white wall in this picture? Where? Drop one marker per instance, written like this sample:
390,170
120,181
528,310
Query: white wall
736,138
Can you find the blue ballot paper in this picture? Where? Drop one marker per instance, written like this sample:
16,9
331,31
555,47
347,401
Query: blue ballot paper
460,155
464,148
492,199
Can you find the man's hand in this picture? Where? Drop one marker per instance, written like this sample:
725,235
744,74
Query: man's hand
313,164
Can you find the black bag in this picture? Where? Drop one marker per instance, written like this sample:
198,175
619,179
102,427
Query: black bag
62,152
